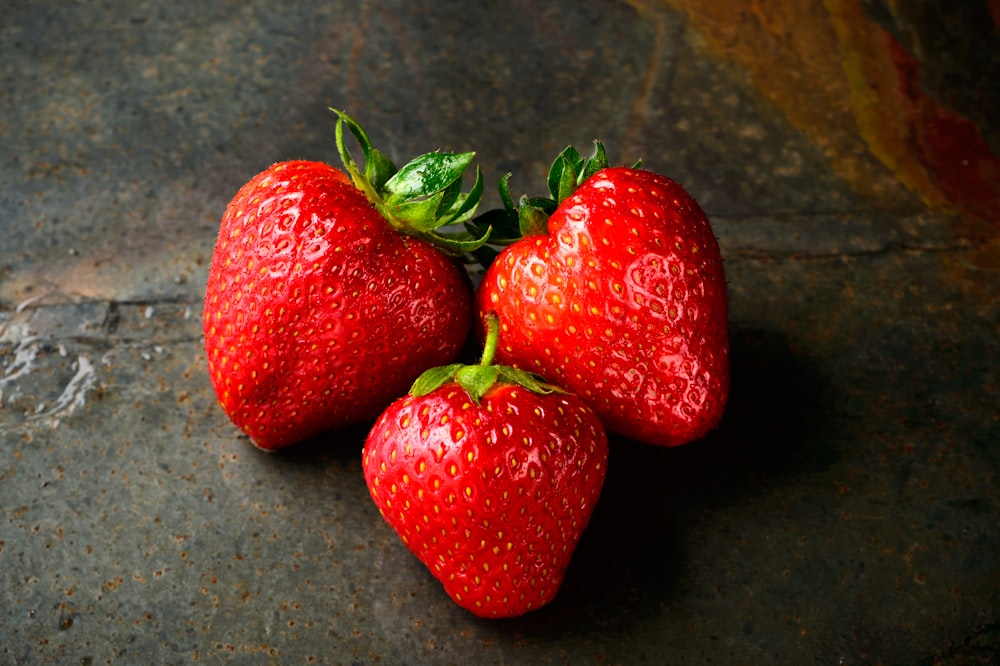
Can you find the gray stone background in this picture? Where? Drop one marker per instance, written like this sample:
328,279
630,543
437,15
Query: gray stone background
845,512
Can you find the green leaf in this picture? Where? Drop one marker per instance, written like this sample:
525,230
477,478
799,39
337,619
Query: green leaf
598,160
456,244
465,205
477,225
532,220
556,171
426,175
508,201
566,185
449,197
345,154
528,380
419,214
542,203
434,378
477,379
377,167
503,223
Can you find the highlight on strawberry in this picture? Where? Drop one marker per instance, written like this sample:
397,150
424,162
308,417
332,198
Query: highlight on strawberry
613,288
328,294
489,476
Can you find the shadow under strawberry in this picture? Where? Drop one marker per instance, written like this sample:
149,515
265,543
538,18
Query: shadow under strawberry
340,446
777,422
344,445
631,560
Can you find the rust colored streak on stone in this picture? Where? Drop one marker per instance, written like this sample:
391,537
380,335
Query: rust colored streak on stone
791,50
882,111
842,80
934,152
955,155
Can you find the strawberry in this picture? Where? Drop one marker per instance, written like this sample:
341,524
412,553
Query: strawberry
489,476
326,298
614,289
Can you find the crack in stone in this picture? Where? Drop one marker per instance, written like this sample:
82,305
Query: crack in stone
99,322
838,236
757,254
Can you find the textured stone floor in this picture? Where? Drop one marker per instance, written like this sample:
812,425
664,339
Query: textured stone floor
846,510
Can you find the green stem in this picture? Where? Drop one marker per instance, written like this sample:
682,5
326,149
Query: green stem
492,336
477,379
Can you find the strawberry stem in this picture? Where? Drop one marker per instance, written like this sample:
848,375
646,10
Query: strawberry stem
492,336
478,379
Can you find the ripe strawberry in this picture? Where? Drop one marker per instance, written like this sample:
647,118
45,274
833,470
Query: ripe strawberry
619,296
326,299
489,477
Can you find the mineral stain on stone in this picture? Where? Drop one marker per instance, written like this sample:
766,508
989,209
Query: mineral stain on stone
881,108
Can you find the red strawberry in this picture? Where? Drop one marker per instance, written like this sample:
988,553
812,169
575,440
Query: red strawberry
489,477
621,299
326,299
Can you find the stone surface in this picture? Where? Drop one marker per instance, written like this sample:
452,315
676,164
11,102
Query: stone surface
845,512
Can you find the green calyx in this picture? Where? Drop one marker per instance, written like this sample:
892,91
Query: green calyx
476,380
530,215
420,198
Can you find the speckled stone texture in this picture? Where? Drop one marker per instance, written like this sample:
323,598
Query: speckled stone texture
845,512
